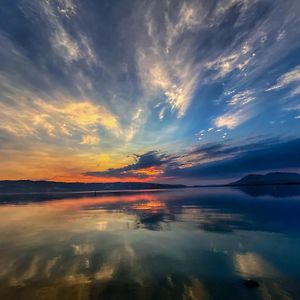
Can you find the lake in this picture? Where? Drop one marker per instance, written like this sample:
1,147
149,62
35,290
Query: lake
200,243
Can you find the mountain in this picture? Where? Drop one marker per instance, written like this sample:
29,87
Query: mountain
29,186
269,179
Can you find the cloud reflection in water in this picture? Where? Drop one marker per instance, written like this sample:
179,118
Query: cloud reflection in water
189,244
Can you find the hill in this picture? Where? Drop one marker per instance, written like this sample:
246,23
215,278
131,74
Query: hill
29,186
269,179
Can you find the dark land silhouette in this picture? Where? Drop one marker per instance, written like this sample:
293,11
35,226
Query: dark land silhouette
273,178
30,186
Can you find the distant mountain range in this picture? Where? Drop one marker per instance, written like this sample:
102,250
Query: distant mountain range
268,179
29,186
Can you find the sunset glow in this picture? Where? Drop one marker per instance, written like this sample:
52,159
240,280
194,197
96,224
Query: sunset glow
189,92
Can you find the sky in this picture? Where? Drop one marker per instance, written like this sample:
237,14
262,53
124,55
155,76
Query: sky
189,91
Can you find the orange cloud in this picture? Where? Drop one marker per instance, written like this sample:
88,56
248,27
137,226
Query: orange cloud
151,171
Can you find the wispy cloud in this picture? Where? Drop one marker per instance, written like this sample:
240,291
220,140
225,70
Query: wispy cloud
240,110
231,119
289,79
64,118
86,78
241,98
70,48
166,57
67,8
227,63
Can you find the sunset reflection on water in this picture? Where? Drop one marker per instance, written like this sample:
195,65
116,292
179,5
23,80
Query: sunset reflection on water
184,244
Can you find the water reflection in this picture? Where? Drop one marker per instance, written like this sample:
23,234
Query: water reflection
183,244
276,191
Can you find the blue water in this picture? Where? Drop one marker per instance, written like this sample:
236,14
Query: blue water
176,244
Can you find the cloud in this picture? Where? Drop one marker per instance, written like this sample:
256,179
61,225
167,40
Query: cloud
163,71
90,140
212,152
175,80
242,98
231,119
70,48
159,165
291,78
137,119
57,119
189,17
271,156
77,57
240,110
225,64
67,8
166,64
145,165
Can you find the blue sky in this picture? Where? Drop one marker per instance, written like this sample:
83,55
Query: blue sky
173,91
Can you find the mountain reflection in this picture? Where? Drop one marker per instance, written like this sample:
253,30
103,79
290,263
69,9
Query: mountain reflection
184,244
276,191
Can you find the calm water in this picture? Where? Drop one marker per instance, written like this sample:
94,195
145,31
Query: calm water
183,244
